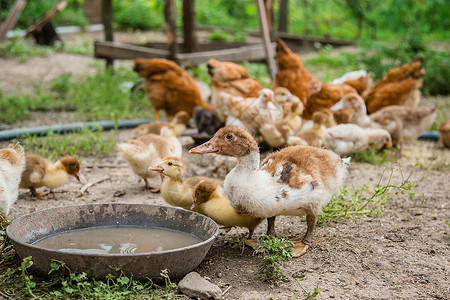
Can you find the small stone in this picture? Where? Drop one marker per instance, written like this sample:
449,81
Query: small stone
219,274
193,285
432,252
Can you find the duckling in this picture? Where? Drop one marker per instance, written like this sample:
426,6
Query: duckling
175,190
40,172
444,133
178,124
279,135
314,136
292,112
297,180
345,139
211,200
282,96
403,123
12,163
148,150
356,104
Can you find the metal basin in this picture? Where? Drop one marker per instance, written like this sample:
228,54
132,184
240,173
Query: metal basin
29,228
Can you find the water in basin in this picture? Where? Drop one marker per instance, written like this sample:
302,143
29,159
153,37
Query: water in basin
118,240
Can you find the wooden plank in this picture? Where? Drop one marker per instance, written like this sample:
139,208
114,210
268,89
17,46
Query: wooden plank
37,26
12,18
171,27
104,49
266,38
247,53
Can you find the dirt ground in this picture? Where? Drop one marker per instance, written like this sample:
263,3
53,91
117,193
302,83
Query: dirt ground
402,253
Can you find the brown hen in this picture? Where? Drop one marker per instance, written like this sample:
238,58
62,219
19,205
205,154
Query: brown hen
169,87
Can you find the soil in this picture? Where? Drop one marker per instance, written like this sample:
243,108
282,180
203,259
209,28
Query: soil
401,253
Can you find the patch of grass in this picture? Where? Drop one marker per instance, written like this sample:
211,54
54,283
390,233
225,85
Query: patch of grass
22,49
352,203
239,242
83,143
438,165
374,157
63,284
275,251
218,36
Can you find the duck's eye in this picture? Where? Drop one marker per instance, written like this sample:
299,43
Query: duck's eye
197,194
170,163
229,136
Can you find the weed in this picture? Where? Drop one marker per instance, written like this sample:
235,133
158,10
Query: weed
275,251
5,242
239,241
218,36
85,142
22,49
27,279
373,156
310,295
350,203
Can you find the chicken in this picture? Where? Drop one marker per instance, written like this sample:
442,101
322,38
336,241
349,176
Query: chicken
444,133
251,112
211,200
147,150
400,86
345,139
292,74
40,172
12,163
169,87
354,104
403,123
178,125
296,180
328,96
359,80
314,136
206,121
176,190
232,79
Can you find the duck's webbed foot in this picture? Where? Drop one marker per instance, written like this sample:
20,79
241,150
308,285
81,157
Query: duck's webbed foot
152,189
300,248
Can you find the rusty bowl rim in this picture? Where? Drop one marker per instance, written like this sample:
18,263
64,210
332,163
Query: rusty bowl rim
146,254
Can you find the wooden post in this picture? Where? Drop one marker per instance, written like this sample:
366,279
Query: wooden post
107,20
266,38
268,6
171,29
283,16
11,20
189,28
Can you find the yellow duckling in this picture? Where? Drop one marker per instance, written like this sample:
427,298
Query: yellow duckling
174,190
210,199
40,172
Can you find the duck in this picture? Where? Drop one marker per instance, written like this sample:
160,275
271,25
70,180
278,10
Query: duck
178,125
314,136
346,139
211,200
12,163
404,123
40,172
356,104
147,150
444,133
296,180
176,190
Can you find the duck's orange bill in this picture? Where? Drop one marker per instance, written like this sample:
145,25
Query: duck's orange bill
157,168
208,147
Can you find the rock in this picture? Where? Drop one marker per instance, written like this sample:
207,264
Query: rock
193,285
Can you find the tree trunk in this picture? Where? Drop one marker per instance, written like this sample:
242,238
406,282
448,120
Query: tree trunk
189,28
283,15
107,20
171,27
306,15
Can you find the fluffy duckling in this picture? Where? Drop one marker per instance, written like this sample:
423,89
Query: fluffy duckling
345,139
444,133
12,163
292,112
175,190
40,172
178,124
279,135
314,136
148,150
282,95
356,104
296,180
403,123
211,200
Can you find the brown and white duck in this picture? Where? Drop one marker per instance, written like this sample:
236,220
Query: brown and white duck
296,180
12,162
40,172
